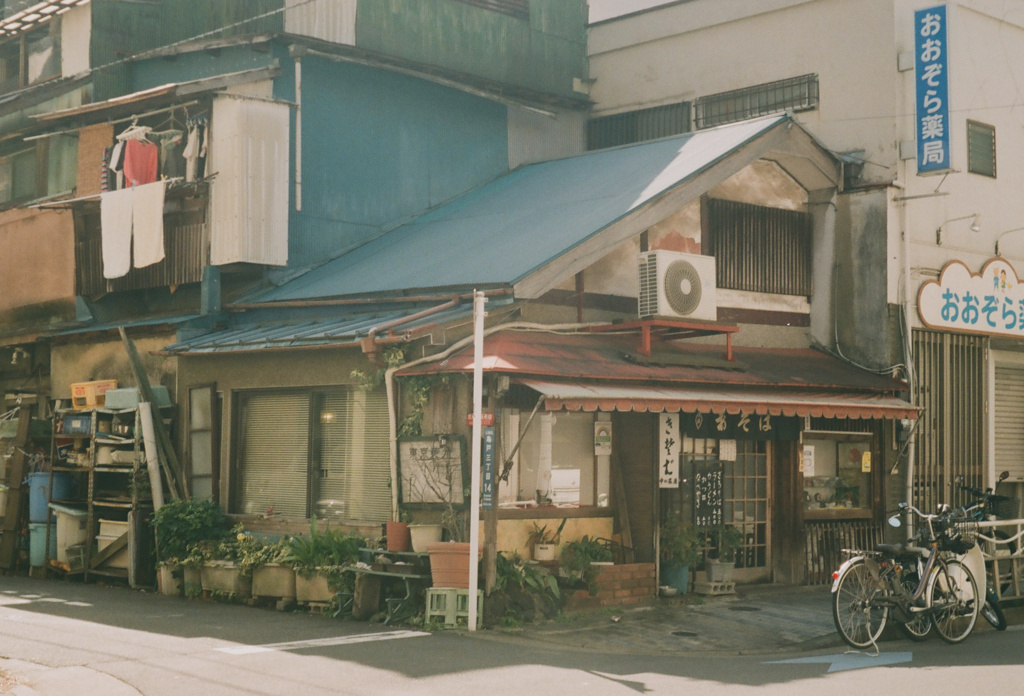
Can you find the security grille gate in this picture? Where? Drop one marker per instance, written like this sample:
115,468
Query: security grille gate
1009,420
950,390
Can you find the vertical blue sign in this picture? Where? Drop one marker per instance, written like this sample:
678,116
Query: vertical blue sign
932,76
487,481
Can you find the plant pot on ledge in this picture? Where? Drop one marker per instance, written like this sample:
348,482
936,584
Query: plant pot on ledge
422,536
719,571
397,534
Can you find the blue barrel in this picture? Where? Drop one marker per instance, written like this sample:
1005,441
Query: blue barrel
37,552
39,495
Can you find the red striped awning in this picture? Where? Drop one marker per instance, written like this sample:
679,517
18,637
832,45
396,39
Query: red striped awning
583,396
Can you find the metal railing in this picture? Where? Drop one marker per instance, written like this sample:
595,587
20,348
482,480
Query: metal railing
1001,543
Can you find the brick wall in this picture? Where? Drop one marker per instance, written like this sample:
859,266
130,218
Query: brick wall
628,584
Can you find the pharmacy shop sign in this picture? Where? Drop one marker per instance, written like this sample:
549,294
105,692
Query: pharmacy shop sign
931,51
990,302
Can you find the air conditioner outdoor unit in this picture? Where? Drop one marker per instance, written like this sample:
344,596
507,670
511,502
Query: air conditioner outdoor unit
674,284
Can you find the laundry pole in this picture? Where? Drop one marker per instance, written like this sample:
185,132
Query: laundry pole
474,498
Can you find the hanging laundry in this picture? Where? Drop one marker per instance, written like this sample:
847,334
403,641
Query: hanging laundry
105,169
140,162
117,166
191,152
116,232
148,224
171,154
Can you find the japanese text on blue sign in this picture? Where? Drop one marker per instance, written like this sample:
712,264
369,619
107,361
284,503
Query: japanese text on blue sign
487,457
932,80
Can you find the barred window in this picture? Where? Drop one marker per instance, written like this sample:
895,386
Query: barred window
795,93
638,126
514,8
981,149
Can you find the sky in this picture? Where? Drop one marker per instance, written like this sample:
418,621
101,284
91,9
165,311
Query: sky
606,9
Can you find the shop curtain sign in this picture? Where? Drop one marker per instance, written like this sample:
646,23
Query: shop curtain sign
669,447
990,302
932,90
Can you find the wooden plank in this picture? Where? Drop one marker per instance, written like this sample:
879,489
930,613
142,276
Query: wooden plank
106,554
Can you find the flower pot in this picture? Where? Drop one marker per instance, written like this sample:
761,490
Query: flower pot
397,534
224,576
313,588
544,552
422,535
273,580
676,576
170,581
719,571
449,564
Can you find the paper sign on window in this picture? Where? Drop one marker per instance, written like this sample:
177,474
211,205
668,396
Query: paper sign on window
807,460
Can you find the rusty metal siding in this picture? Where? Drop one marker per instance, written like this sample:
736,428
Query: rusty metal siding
761,249
327,20
187,253
950,389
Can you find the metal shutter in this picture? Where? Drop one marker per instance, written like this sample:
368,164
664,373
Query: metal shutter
1009,420
355,466
274,469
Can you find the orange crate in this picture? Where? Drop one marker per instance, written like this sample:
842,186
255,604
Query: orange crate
91,394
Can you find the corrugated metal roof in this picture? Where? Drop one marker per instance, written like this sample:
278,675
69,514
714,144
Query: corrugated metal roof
103,327
515,224
616,357
311,332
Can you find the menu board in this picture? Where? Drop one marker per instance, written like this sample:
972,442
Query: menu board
707,494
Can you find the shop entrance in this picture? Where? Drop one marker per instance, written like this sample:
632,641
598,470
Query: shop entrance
745,503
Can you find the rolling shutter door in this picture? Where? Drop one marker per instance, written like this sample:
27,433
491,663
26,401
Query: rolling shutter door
1009,420
275,455
355,467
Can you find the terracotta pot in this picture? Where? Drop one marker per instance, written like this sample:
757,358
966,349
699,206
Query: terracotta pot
397,534
449,564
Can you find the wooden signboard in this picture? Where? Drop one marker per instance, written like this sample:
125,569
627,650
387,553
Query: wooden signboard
432,470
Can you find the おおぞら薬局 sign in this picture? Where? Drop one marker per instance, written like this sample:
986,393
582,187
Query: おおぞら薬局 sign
990,302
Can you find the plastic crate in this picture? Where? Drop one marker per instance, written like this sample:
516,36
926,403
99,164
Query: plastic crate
452,604
91,394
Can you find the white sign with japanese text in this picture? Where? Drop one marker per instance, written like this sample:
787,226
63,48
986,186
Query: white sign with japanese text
990,302
669,447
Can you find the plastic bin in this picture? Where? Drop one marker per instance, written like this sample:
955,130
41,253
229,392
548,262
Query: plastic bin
39,495
71,529
37,544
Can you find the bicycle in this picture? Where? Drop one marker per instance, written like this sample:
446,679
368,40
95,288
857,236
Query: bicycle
920,586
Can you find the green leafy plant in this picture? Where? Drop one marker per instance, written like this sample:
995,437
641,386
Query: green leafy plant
320,550
579,556
680,543
541,534
724,541
522,590
181,524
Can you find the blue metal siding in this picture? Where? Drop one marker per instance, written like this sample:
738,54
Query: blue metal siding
200,64
379,147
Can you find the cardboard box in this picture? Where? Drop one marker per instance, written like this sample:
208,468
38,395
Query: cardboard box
91,394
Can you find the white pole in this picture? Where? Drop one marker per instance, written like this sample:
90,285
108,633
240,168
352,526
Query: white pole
152,457
474,500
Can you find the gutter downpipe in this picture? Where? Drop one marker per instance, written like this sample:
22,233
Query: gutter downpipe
908,352
369,343
389,386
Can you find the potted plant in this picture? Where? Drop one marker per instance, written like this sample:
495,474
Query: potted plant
271,577
580,559
178,526
679,550
397,533
227,565
543,540
724,540
319,560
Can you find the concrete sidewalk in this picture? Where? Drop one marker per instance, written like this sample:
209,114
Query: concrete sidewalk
758,619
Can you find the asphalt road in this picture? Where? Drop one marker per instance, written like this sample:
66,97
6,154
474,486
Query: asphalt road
65,638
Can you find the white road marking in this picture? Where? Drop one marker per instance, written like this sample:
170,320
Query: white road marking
321,642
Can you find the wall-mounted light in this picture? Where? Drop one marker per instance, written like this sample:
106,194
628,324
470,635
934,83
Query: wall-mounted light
17,355
975,225
1003,234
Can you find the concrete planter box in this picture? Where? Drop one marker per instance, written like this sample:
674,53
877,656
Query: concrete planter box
313,588
170,580
224,576
192,582
273,580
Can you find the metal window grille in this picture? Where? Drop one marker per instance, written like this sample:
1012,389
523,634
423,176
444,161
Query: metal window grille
760,249
638,126
795,93
981,148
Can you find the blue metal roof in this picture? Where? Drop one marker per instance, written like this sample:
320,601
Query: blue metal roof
503,231
275,333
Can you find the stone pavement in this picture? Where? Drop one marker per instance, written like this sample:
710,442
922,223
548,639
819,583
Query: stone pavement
758,619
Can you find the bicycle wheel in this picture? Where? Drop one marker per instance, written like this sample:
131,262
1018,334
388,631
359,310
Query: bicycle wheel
993,613
858,615
919,627
953,600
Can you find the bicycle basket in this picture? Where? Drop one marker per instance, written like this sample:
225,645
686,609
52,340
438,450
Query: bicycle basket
960,537
1005,507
